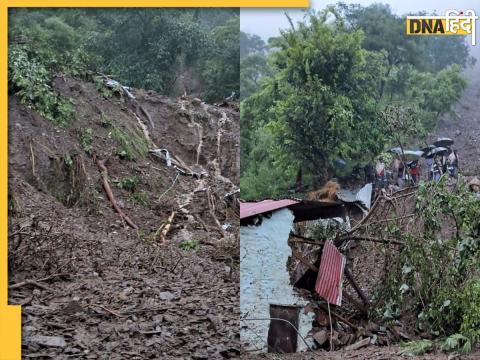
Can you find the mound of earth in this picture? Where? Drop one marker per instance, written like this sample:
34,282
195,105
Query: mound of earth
93,287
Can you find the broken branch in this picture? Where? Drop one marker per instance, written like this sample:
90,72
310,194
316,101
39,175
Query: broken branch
108,191
167,227
359,291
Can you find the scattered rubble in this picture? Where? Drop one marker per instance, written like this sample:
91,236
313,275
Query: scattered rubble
96,223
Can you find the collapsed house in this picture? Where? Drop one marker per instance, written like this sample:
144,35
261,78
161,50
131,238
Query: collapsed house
280,280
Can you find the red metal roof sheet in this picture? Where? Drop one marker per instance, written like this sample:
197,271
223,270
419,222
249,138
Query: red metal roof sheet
254,208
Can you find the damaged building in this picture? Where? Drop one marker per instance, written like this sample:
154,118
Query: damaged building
283,292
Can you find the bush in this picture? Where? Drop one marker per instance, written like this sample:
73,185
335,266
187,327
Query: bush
86,141
437,276
128,183
30,81
189,245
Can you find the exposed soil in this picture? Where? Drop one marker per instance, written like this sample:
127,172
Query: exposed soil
91,286
463,126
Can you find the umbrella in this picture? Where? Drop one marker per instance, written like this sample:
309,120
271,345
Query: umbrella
436,151
443,142
396,150
412,155
427,149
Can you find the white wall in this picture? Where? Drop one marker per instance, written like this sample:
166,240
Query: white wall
264,278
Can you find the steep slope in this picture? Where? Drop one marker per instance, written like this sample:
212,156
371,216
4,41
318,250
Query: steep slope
464,125
91,286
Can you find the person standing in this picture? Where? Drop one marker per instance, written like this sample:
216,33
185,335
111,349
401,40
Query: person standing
399,172
414,171
369,172
381,173
429,168
452,161
437,168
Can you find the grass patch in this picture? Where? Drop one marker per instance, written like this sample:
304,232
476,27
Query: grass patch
140,198
128,183
132,144
191,245
86,140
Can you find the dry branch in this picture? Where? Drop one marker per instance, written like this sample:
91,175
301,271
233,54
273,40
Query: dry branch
108,190
167,227
359,291
33,160
211,208
373,239
339,317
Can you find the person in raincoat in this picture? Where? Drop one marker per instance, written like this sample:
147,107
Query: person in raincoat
452,163
381,174
429,168
437,168
414,171
398,170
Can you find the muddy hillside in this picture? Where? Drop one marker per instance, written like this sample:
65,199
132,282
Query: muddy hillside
463,124
123,226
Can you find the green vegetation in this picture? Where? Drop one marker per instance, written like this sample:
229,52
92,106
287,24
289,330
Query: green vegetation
437,279
189,245
145,48
30,80
140,198
86,140
318,93
415,348
133,145
129,183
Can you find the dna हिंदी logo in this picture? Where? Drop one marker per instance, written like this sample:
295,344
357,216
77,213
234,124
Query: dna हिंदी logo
453,23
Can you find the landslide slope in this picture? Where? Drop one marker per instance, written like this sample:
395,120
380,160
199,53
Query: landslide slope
93,287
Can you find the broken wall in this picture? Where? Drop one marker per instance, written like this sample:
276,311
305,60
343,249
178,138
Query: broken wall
264,252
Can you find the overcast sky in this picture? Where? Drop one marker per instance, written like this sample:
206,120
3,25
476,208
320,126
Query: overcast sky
267,22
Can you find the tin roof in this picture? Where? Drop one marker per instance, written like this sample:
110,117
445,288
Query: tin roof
362,196
248,209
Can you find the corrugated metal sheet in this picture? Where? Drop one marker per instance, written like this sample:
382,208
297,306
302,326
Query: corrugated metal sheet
329,280
248,209
362,196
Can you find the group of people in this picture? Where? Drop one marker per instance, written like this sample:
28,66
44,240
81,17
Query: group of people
442,164
408,173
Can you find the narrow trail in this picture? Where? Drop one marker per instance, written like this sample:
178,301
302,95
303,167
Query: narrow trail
464,125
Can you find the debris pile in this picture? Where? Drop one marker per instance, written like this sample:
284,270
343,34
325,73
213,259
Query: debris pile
356,267
123,227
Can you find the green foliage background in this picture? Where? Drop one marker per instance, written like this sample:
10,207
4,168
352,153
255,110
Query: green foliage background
143,48
316,94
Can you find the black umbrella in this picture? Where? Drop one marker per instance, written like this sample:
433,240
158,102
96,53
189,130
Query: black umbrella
427,149
436,151
443,142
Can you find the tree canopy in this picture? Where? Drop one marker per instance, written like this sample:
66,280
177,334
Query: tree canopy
317,94
145,48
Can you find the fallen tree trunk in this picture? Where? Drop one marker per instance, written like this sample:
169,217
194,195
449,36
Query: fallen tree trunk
108,190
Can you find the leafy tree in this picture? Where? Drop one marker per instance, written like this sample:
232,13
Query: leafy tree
253,68
146,48
321,103
221,71
251,44
327,83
